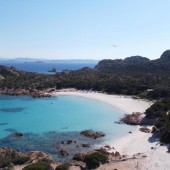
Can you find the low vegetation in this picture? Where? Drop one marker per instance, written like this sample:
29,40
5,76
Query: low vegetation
6,161
161,111
64,166
94,160
38,166
20,160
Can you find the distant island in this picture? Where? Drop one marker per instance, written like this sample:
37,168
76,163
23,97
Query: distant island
34,60
53,70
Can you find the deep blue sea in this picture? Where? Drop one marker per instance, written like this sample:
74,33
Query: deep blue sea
44,67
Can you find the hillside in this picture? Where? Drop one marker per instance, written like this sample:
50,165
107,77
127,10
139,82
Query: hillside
137,64
134,75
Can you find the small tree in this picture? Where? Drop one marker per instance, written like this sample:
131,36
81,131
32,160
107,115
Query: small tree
95,159
63,167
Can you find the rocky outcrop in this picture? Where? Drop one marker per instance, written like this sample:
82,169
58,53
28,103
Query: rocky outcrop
13,92
79,157
117,154
40,95
64,152
18,134
84,145
102,150
69,142
145,130
33,92
38,156
137,118
8,71
92,134
7,152
166,55
132,119
10,157
1,78
53,70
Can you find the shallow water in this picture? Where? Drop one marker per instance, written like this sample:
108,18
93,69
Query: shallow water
61,117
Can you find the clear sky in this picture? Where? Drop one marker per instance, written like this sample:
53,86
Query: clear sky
84,29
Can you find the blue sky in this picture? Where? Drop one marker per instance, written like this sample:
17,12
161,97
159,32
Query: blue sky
84,29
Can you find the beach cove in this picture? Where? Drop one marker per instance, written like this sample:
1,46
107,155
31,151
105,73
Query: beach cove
128,144
144,150
46,123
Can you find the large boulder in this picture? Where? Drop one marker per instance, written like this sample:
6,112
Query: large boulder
92,134
38,156
132,119
1,78
79,157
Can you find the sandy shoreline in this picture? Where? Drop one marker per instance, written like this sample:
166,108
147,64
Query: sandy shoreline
137,142
124,103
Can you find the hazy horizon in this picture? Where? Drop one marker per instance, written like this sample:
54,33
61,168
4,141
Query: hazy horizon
46,59
88,29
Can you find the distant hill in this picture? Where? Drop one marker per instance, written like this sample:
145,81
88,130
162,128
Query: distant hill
32,60
136,63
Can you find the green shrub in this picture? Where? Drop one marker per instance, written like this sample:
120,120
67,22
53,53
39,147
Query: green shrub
158,109
38,166
15,160
20,160
95,159
63,167
165,131
5,162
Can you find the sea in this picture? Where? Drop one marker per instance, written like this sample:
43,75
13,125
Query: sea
47,124
44,67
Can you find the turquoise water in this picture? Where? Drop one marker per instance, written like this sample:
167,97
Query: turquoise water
63,115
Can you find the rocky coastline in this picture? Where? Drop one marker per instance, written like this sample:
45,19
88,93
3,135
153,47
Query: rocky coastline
11,158
31,92
14,159
137,118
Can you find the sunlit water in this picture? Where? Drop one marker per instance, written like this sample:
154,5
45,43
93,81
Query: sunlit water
51,120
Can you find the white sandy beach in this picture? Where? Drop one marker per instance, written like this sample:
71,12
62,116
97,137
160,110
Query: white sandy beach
125,103
133,143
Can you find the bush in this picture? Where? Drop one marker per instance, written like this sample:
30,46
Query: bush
5,162
94,159
20,160
63,167
161,111
158,109
16,161
38,166
165,132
